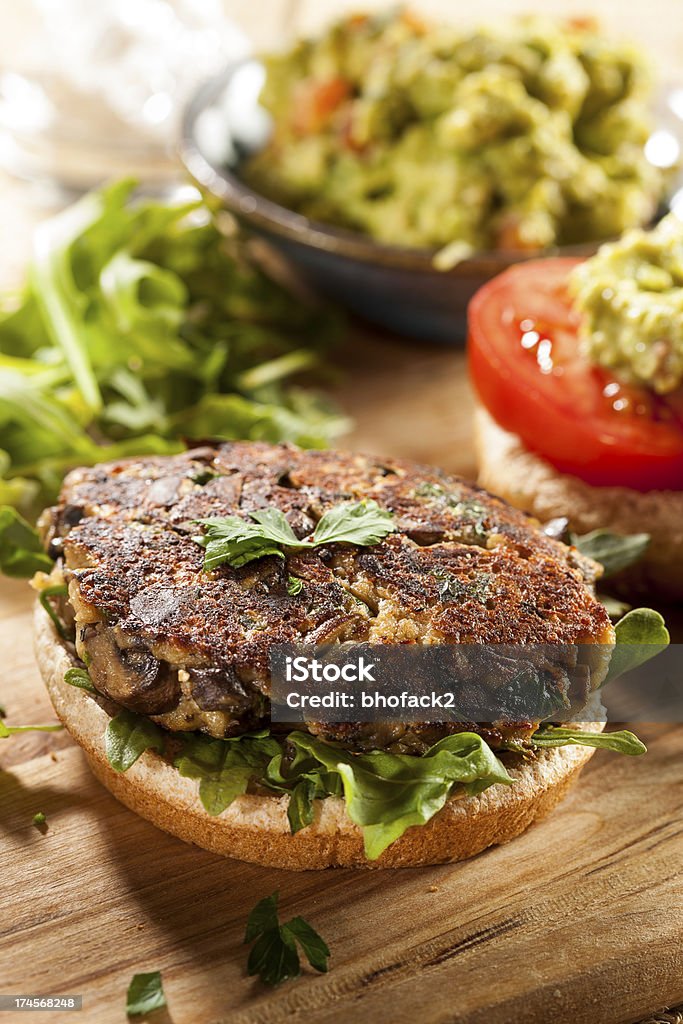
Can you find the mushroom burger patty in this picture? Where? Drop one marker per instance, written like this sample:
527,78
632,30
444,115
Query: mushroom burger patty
190,648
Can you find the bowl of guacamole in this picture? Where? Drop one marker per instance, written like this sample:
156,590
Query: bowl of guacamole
400,164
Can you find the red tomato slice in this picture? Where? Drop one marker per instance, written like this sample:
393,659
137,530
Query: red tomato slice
526,366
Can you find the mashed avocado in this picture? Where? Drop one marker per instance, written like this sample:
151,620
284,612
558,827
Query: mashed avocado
630,296
517,136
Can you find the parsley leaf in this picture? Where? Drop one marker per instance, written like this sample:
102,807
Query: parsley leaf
237,541
294,585
274,956
145,993
128,736
361,522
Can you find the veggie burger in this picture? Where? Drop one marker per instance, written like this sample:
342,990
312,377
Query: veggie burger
175,576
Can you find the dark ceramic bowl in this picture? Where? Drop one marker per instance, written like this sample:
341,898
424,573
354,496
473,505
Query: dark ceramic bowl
392,286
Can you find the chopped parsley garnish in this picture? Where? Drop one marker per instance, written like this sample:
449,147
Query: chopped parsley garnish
452,588
275,956
237,541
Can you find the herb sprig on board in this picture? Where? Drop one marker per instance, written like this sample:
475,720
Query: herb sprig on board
275,956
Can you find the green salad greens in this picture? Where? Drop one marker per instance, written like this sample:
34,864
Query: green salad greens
142,323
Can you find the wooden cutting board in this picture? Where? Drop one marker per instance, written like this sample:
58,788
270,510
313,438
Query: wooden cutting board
579,921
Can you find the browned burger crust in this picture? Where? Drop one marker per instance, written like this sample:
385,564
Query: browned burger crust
191,649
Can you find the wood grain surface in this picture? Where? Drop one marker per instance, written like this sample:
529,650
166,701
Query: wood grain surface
579,921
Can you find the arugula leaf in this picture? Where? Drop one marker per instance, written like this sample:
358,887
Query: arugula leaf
58,590
224,767
130,735
141,323
386,793
145,993
622,742
300,807
640,635
79,677
236,541
21,553
274,957
613,551
12,730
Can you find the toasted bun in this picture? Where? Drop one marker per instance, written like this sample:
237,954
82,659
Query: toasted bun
508,469
255,828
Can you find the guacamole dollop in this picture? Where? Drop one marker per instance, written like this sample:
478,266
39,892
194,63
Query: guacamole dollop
630,297
516,136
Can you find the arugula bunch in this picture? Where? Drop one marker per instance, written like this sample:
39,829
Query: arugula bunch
236,541
142,323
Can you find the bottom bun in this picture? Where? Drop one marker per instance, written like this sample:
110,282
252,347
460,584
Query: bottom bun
526,480
255,828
